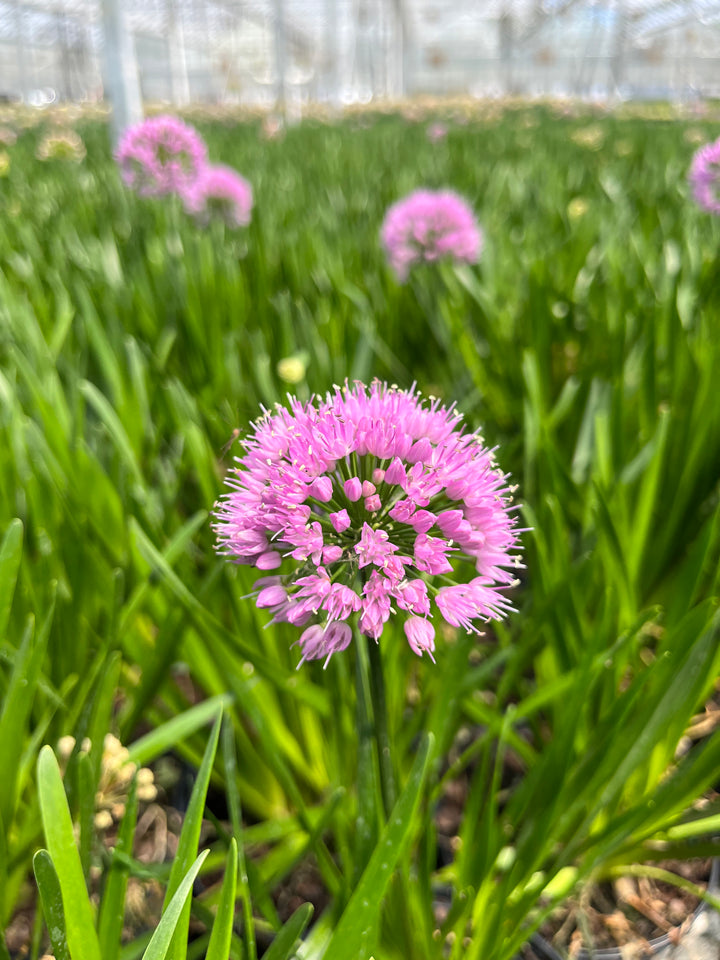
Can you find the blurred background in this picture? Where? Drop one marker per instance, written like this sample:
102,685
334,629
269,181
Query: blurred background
262,52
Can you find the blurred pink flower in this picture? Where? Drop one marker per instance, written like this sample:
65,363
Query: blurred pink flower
301,502
428,225
220,192
705,177
272,128
161,155
436,132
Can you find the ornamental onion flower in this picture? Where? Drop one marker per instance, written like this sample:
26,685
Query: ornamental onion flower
436,132
705,177
428,225
366,504
116,775
61,145
220,192
161,155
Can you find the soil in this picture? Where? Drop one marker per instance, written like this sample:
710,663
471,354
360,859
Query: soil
628,913
304,885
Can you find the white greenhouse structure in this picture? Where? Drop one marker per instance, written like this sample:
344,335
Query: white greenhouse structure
260,52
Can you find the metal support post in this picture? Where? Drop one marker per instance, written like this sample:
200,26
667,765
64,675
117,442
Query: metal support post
179,83
120,72
280,56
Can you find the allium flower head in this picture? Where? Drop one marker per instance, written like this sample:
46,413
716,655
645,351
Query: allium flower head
220,192
428,225
272,128
591,137
370,503
705,177
436,132
61,145
116,774
161,155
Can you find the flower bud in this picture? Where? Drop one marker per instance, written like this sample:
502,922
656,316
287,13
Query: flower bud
353,489
340,520
321,489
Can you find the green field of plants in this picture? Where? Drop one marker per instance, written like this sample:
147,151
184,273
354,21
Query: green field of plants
573,743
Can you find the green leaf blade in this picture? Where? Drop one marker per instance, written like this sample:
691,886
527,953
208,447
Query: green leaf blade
10,556
283,946
353,935
159,947
112,910
52,903
221,936
57,824
189,839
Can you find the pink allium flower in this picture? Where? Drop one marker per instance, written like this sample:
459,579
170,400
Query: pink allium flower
428,225
433,531
705,177
220,192
161,155
436,132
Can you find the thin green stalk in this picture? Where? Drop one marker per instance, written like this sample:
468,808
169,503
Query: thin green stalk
366,828
382,738
233,794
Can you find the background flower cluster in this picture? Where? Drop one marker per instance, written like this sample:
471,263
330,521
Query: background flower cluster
164,155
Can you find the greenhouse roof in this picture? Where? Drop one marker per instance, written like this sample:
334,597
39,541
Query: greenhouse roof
207,20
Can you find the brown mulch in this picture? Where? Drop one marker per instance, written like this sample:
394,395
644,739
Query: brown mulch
628,913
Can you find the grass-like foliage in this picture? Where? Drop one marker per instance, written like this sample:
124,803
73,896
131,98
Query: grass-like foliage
134,343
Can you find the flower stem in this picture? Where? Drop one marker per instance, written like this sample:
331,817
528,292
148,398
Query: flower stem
382,739
368,792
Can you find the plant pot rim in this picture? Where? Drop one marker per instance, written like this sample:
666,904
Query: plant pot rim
545,950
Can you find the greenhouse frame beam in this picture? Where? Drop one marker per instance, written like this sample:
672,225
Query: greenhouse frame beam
177,60
403,43
280,55
120,71
331,53
20,54
617,62
540,18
